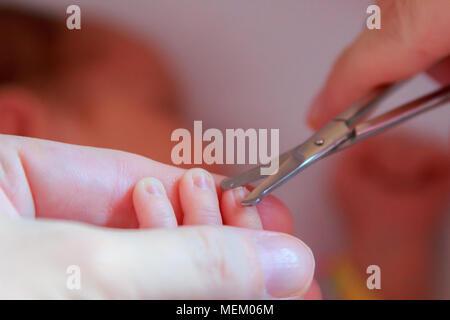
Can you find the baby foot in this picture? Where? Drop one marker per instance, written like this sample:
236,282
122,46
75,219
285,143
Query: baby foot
199,202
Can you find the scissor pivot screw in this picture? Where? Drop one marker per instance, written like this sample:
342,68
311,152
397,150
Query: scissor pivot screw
319,142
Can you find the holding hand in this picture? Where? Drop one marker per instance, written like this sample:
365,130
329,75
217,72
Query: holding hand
414,37
42,179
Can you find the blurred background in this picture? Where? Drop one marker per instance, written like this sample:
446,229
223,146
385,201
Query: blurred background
242,64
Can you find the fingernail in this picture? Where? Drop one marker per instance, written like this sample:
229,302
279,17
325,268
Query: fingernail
287,265
239,194
153,186
202,179
315,111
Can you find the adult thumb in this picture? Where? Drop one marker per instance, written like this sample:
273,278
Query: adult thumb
413,37
207,263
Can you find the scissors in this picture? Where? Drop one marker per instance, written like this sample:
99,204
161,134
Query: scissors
343,131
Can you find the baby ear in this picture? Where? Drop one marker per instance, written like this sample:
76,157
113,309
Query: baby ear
18,111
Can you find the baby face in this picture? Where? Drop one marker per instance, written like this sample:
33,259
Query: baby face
120,96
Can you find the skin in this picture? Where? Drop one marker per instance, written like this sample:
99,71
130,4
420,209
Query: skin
413,38
103,187
43,182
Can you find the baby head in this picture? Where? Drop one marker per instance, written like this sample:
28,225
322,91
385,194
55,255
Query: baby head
94,86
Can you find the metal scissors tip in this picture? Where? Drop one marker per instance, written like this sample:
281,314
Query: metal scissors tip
338,134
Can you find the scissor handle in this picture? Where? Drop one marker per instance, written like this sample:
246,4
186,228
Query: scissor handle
363,107
406,111
395,116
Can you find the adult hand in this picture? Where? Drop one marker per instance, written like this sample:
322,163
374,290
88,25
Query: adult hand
46,179
414,37
52,180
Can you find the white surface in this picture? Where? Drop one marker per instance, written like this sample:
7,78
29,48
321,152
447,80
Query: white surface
258,64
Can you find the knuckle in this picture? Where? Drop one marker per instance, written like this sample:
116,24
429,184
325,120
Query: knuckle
209,212
226,261
413,30
215,260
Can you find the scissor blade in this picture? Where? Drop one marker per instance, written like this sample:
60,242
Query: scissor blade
288,168
249,176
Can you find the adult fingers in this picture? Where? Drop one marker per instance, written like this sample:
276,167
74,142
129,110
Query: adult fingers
201,262
206,262
413,37
153,208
